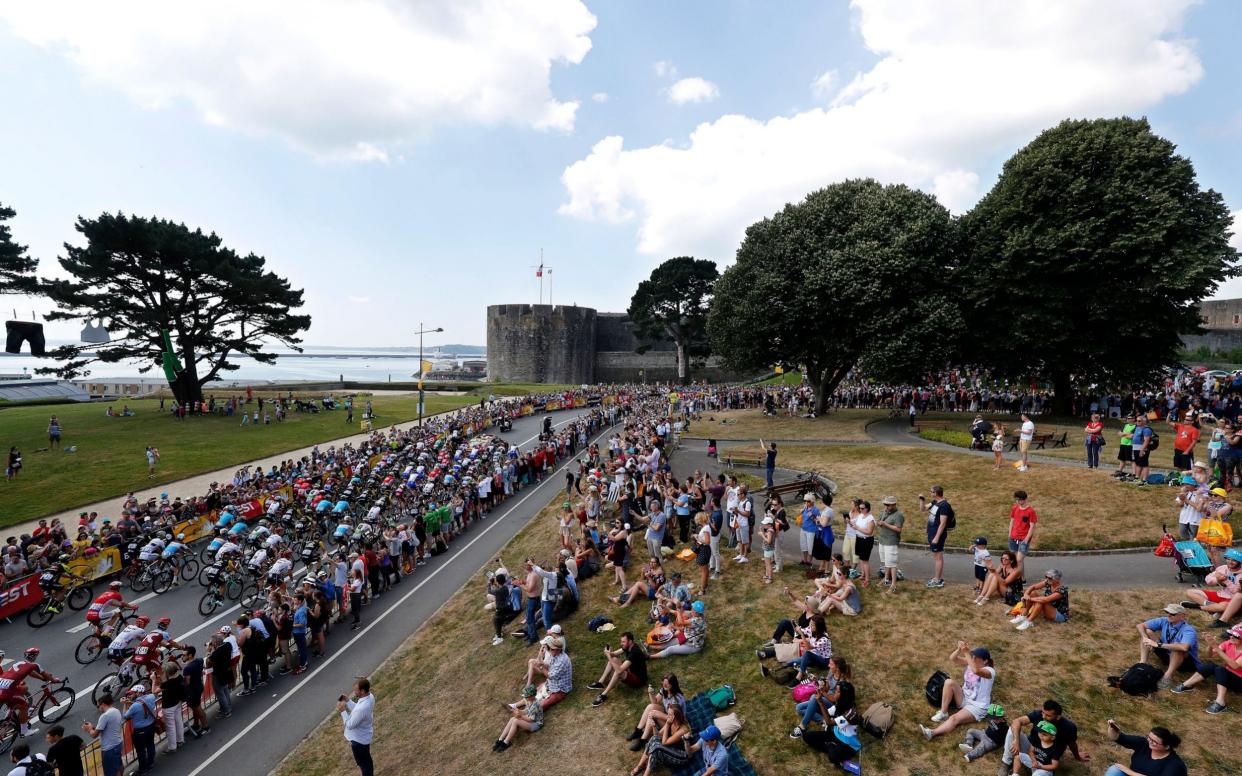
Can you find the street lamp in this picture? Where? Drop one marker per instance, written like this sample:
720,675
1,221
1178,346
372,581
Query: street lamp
421,331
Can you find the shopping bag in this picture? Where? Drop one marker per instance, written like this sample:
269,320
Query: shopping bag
1215,532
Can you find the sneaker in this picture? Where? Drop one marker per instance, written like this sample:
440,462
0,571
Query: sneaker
498,641
284,671
939,583
796,732
1026,625
1017,619
737,557
939,717
637,734
1218,623
1191,605
901,575
965,748
1179,689
599,700
1022,468
1215,708
1164,683
743,559
763,671
595,686
638,745
927,732
931,583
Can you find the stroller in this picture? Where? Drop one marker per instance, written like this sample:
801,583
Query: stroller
1191,559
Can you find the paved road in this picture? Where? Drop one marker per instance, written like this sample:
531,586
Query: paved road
264,728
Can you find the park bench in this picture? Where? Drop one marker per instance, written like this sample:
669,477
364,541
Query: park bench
810,480
1061,441
1040,441
922,425
744,457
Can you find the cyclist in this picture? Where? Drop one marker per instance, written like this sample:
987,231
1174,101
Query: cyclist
175,546
260,533
52,581
13,691
281,570
154,548
228,550
258,562
147,655
108,606
273,542
123,645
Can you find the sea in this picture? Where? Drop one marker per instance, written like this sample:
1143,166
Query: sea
313,365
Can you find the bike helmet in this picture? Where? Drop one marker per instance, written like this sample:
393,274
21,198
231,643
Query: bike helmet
142,621
1234,554
31,653
165,622
181,537
64,558
115,584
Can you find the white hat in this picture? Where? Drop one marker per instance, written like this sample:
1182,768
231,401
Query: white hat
556,629
138,689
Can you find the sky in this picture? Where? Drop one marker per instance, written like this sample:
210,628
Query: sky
407,163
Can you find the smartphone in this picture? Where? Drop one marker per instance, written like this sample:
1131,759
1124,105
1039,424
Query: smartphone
342,699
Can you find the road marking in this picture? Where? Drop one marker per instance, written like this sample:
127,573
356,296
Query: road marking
85,625
331,658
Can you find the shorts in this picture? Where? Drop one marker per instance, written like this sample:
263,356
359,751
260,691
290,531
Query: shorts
1217,598
863,546
1181,461
1140,459
976,711
1024,445
704,556
847,610
888,556
1060,617
1125,453
1186,667
981,573
1022,547
742,535
629,678
937,546
769,554
535,727
806,540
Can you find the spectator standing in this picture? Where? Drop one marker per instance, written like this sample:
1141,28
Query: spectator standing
1186,436
64,752
153,456
1141,441
1022,520
809,527
141,717
53,432
1125,446
939,515
1093,439
769,452
193,673
890,526
358,715
221,661
14,465
1025,434
172,695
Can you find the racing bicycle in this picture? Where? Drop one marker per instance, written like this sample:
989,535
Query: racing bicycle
55,701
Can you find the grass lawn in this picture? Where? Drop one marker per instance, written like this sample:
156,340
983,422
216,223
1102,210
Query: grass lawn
1077,508
111,459
837,426
449,669
1161,459
897,645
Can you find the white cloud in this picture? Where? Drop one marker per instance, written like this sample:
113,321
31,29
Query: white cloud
958,84
1236,240
345,80
664,69
600,97
359,299
825,83
692,89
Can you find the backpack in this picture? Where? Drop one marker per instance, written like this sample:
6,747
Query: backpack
951,522
1154,442
1139,679
935,688
878,719
722,697
37,767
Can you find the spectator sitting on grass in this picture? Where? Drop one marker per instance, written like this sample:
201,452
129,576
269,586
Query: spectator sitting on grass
1006,581
1228,676
838,591
1065,737
1175,642
980,742
657,711
1225,603
653,578
526,715
554,664
1052,603
818,648
692,636
1040,757
834,696
670,748
972,696
1155,755
627,665
673,594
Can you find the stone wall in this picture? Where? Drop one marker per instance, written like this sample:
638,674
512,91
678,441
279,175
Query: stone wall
541,344
1221,313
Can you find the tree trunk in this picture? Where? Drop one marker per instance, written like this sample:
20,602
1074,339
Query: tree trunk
681,362
1062,393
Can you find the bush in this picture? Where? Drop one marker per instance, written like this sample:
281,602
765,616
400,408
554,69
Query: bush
955,438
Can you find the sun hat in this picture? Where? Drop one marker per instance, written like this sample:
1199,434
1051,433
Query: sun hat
698,607
1233,554
1235,631
1220,492
1175,609
529,691
1047,727
1199,465
890,500
556,629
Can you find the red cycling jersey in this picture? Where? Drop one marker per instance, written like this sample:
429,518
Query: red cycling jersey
148,650
105,601
12,681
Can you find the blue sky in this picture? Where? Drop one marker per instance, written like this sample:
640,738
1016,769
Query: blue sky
408,165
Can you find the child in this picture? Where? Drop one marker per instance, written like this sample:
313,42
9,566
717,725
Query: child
767,534
980,742
983,559
1040,759
998,446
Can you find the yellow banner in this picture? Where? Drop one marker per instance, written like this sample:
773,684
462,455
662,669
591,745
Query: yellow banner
196,527
528,409
580,401
107,561
555,404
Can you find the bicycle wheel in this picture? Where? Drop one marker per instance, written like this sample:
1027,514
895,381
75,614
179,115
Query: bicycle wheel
89,649
250,595
189,568
162,579
39,616
202,575
208,604
8,732
234,588
56,704
141,580
80,597
111,684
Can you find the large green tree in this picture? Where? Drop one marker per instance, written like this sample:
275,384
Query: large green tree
673,304
854,275
1090,255
16,268
150,276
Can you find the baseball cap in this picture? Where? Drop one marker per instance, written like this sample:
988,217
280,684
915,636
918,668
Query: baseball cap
556,629
808,498
1175,609
529,691
981,540
1045,726
996,710
566,505
982,653
1235,631
712,733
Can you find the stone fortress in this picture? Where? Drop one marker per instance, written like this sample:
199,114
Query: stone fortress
540,343
1222,323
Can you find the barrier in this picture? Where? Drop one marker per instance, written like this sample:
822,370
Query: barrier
101,564
19,595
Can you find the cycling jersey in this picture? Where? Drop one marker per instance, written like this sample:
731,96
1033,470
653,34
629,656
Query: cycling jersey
227,549
50,579
280,568
148,650
274,541
103,606
151,550
172,549
127,638
12,680
258,559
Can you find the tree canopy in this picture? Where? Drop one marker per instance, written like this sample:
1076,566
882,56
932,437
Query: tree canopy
854,275
673,303
150,276
17,270
1090,255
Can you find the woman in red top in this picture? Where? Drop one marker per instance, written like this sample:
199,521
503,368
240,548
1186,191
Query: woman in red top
1094,431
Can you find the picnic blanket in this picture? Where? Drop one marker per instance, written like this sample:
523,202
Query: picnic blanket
700,713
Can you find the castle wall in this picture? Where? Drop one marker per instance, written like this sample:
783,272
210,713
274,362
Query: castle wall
541,344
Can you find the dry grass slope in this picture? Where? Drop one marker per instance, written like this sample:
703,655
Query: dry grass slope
837,426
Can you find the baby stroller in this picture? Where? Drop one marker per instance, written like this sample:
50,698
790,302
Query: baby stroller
1191,558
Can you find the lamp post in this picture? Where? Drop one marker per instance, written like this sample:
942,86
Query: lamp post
421,331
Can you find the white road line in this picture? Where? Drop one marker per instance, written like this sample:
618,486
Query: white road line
331,658
85,625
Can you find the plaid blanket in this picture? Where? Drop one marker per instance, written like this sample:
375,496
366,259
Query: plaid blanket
700,713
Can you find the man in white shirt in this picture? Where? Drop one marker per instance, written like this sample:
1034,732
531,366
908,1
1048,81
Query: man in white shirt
359,718
1025,435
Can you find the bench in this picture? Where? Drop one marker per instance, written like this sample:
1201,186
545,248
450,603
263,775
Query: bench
922,425
1039,441
744,457
1061,441
807,481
